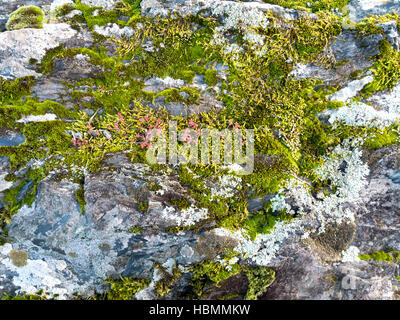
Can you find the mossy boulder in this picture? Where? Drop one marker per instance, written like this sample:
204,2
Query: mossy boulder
26,17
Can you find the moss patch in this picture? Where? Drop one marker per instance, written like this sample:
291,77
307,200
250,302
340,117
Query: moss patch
259,280
26,17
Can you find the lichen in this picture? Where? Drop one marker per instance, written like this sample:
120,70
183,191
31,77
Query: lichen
245,66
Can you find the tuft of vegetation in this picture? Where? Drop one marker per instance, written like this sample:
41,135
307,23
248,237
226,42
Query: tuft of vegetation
311,5
64,9
207,274
26,17
386,69
80,195
163,286
260,279
211,77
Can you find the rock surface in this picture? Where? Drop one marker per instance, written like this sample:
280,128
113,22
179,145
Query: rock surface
309,271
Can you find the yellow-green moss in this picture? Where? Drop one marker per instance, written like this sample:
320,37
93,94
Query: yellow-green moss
80,197
260,279
211,77
386,69
311,5
19,258
40,295
387,256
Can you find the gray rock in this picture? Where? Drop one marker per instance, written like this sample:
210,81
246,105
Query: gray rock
114,30
46,89
388,100
155,84
349,47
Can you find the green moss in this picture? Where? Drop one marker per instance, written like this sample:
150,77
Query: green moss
10,177
96,57
26,17
19,258
259,280
382,138
125,288
207,274
211,77
180,202
15,109
228,296
14,90
187,75
41,139
129,8
228,213
154,187
178,95
264,222
370,25
22,192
